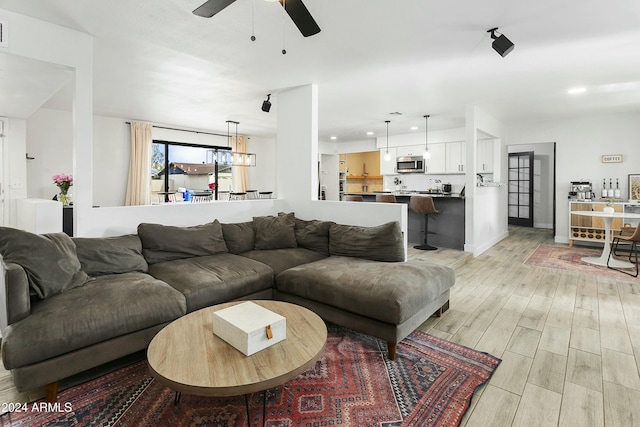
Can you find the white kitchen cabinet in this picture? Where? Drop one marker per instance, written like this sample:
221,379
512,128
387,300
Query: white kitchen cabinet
438,161
456,157
388,167
410,150
484,162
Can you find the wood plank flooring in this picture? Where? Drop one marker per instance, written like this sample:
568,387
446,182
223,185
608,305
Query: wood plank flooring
569,342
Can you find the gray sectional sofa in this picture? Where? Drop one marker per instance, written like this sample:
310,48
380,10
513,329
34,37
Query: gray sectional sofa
70,304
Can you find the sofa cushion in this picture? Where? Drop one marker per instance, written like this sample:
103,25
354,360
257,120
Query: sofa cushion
313,235
215,279
49,260
239,237
389,292
107,307
380,243
110,255
282,259
166,242
275,232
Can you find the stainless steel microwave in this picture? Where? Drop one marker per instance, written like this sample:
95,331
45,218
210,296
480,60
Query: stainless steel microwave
410,164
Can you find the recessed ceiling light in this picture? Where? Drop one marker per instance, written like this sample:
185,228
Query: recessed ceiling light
334,137
414,127
369,133
576,90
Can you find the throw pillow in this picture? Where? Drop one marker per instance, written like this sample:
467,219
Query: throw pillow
313,235
166,242
380,243
275,232
110,255
49,260
239,237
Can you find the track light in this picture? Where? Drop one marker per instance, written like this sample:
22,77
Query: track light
500,44
266,104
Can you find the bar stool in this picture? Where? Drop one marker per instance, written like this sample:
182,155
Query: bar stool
223,195
252,194
265,194
424,205
386,198
353,198
237,196
634,239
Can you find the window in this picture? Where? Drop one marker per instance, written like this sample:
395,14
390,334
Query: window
189,167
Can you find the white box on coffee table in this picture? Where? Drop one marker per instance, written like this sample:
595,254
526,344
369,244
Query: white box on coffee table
247,327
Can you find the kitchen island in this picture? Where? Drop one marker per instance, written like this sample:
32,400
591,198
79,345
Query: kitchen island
446,229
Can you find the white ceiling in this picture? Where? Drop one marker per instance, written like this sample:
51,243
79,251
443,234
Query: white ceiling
156,61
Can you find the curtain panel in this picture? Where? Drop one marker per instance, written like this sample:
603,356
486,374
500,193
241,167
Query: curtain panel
139,182
240,180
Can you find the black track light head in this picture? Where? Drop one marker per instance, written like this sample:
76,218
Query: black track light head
266,104
501,44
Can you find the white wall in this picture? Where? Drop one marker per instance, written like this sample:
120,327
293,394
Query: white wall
49,139
14,169
580,143
486,220
34,39
543,182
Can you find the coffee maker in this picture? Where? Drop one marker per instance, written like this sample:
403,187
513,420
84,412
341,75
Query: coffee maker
580,191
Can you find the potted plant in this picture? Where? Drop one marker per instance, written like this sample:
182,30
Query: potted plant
608,207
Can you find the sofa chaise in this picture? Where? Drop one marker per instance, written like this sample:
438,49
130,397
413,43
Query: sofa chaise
70,304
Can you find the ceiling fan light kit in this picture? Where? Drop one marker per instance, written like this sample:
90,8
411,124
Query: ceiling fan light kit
501,44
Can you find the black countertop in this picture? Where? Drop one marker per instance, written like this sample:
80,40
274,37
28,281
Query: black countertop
409,194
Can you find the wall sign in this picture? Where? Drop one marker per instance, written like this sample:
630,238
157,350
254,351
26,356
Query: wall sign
612,158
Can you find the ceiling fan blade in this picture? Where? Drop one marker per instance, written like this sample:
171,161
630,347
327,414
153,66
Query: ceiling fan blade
301,17
211,7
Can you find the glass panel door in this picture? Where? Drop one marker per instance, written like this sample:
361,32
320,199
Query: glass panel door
520,192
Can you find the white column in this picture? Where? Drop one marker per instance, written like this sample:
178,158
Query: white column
297,144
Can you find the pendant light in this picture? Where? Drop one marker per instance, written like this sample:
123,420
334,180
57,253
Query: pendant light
387,156
426,155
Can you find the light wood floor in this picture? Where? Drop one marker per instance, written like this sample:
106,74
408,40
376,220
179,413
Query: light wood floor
569,342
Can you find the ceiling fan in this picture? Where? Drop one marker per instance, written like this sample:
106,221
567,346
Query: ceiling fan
297,11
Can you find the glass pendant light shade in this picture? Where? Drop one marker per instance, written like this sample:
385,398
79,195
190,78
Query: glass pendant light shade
387,156
426,155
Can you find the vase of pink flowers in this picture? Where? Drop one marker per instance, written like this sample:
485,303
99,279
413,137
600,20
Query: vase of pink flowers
63,181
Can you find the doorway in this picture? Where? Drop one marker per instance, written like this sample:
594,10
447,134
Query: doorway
520,185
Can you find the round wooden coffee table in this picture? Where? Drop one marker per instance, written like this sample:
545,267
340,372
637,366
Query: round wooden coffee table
188,357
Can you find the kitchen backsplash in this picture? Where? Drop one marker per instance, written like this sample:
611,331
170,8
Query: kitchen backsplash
421,182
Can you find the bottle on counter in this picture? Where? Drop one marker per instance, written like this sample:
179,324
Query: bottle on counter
616,192
604,188
610,191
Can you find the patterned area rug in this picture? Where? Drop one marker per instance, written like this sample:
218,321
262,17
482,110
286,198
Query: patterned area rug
430,383
570,259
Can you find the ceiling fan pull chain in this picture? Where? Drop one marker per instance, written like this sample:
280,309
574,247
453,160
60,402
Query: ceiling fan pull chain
284,8
253,26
